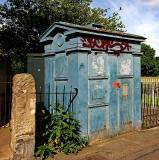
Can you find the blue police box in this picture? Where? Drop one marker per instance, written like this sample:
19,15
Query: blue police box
105,67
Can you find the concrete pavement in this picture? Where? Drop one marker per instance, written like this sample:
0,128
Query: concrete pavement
141,145
5,151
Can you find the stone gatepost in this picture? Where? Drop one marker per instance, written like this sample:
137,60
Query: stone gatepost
23,117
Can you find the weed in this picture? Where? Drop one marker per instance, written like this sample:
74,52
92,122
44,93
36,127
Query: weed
62,134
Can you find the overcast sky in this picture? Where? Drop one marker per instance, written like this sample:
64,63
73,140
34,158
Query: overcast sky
139,16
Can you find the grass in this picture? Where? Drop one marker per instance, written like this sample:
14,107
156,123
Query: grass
149,100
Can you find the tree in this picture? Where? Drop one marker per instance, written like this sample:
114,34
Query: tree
23,21
149,63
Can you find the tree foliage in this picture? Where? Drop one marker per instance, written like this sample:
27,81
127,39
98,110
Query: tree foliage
23,21
149,63
61,134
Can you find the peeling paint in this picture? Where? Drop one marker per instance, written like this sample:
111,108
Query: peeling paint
97,135
98,64
125,67
98,67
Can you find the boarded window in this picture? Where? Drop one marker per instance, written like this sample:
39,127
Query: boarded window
125,90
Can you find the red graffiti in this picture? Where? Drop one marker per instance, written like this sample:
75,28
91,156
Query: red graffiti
116,84
98,53
105,44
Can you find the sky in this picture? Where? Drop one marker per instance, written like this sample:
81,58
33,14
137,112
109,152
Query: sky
2,1
140,17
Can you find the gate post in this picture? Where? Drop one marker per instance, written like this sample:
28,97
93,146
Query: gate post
23,117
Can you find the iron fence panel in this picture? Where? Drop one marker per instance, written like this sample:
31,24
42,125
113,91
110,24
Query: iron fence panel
150,104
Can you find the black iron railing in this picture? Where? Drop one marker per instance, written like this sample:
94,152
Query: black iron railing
60,96
150,104
5,102
48,100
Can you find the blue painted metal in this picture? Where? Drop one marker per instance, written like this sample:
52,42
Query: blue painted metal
102,108
137,91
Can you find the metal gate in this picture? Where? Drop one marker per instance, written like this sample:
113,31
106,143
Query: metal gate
45,101
150,104
5,102
48,99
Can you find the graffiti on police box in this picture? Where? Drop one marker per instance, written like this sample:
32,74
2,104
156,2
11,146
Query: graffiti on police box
115,47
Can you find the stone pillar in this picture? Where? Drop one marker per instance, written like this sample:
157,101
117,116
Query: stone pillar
23,117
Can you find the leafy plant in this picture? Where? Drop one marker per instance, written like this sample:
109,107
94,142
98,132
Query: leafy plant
45,151
144,125
62,134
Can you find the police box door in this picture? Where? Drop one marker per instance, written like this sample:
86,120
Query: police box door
125,103
125,92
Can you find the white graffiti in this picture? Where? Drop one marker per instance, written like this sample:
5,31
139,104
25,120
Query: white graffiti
98,64
125,67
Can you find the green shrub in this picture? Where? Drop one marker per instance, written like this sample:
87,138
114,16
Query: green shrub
144,125
62,134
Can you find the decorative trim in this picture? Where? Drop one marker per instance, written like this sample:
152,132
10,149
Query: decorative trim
97,105
125,76
97,78
78,49
61,79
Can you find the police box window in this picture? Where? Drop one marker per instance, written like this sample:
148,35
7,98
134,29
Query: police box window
125,90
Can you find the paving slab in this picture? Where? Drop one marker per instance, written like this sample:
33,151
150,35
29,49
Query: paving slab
141,145
5,151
